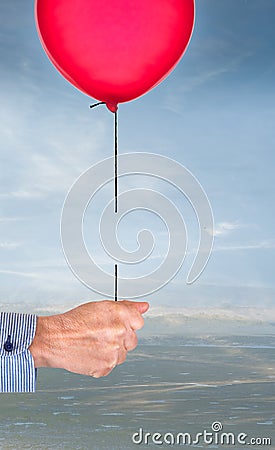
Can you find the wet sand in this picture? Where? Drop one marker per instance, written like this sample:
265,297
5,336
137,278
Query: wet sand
167,385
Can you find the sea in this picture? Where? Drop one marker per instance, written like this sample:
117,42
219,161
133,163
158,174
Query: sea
172,391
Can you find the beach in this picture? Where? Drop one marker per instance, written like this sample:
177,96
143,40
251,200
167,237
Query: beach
168,385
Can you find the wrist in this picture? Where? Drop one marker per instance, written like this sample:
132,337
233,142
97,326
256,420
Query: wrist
42,347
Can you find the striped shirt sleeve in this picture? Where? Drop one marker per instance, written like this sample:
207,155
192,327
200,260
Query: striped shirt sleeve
17,371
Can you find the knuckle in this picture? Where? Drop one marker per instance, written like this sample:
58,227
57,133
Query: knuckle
107,371
120,329
112,361
133,342
138,322
116,346
97,375
141,321
122,360
130,341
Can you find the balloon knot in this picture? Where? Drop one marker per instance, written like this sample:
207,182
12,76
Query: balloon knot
112,107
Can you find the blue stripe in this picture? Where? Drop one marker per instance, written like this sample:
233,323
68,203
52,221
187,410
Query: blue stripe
17,371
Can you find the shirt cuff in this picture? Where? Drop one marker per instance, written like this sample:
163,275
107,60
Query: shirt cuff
17,371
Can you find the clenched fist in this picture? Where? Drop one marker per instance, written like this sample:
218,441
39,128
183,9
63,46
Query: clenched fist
91,339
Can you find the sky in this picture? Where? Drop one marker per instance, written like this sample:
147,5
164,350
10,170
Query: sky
214,114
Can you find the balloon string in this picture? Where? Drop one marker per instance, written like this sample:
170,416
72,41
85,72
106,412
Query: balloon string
115,183
115,156
116,152
116,282
116,179
97,104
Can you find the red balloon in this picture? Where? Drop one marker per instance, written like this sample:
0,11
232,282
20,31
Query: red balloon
114,50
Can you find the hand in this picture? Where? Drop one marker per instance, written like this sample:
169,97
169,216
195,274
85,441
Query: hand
91,339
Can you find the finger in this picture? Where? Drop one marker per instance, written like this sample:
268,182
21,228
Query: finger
103,373
141,307
106,366
121,355
135,319
131,340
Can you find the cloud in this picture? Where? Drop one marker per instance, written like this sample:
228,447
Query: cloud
22,194
9,245
21,274
203,78
242,321
212,60
223,228
175,315
41,152
11,219
259,245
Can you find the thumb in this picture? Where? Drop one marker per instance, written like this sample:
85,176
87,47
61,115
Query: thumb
141,307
